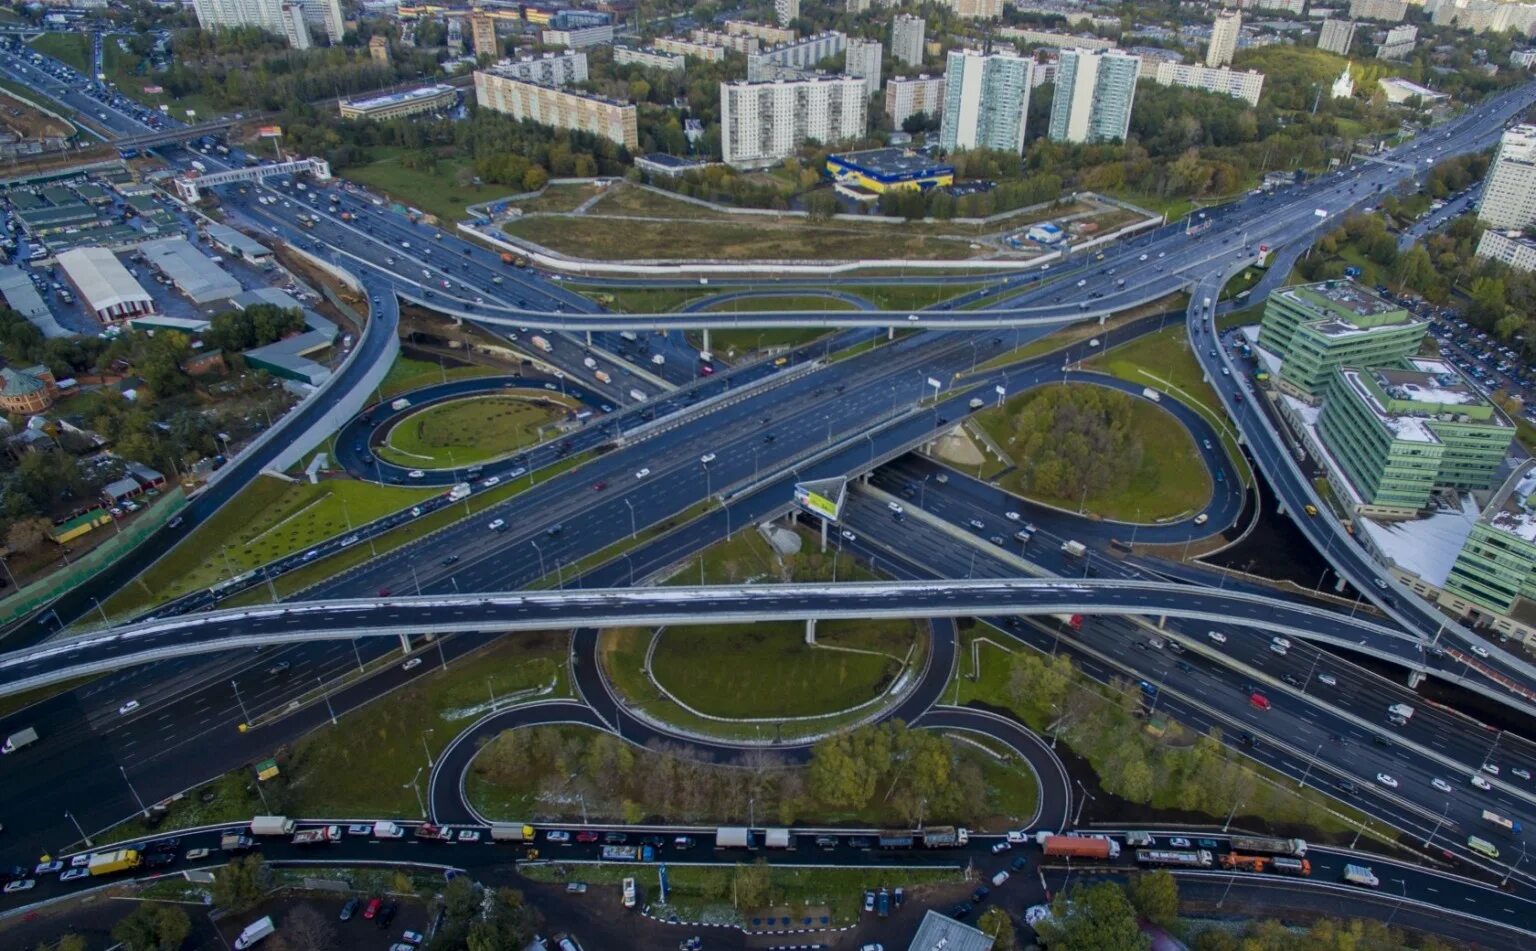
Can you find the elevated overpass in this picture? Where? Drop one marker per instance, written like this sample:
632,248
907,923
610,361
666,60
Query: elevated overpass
189,189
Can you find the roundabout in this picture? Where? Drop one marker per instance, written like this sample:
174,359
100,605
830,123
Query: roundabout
471,430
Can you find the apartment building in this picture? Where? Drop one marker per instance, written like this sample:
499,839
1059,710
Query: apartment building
1095,90
1337,36
907,96
1509,193
863,60
1224,34
550,69
986,100
1239,85
762,123
907,39
654,59
554,107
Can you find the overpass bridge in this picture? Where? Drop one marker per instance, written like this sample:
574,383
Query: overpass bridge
189,188
142,642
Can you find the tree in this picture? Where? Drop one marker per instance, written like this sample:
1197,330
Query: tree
28,534
239,885
1155,896
508,924
308,930
821,205
995,922
153,927
69,942
1092,918
751,887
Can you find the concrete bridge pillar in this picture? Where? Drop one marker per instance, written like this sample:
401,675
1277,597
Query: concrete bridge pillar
707,347
1162,622
589,340
890,333
823,535
1415,677
405,643
810,630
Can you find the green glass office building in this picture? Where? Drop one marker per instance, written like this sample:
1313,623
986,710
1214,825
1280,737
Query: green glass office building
1316,328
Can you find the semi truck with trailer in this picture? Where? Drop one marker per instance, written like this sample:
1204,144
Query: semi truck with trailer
511,832
272,825
236,842
944,837
1079,846
1184,859
19,740
1296,847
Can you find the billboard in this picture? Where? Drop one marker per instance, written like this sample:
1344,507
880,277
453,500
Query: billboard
822,497
270,132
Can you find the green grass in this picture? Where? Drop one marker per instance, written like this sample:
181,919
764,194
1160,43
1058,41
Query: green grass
407,374
1173,304
733,342
130,75
559,198
467,431
757,305
604,239
363,765
434,190
71,49
1163,360
1172,480
267,520
911,296
698,892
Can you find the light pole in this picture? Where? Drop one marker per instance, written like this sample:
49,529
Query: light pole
1308,771
100,611
1438,823
1076,817
244,713
417,790
135,792
1228,824
1518,862
632,532
1403,884
426,748
327,697
536,548
71,817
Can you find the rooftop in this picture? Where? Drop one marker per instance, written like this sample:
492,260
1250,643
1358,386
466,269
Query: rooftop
1343,299
890,161
192,271
1510,509
941,933
395,98
1407,427
101,278
1433,382
238,241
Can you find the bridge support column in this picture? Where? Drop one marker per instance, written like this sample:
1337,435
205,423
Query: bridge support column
1103,318
1415,677
707,347
823,535
589,340
890,333
1162,621
405,644
810,630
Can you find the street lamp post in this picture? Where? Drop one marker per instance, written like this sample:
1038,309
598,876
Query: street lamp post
1228,824
1518,862
71,817
427,749
632,532
1308,771
142,808
536,548
417,790
1080,803
1438,823
324,693
245,714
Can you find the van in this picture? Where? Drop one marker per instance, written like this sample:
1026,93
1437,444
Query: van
1258,700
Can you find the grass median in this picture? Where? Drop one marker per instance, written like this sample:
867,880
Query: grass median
71,49
406,375
465,431
1173,305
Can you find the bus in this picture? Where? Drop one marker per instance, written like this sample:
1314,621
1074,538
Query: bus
1482,846
1499,820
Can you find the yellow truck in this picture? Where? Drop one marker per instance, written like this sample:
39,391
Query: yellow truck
119,860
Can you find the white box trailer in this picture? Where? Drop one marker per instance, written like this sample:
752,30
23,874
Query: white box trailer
778,839
272,825
733,837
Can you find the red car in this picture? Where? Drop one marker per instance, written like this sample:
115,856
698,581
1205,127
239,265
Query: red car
587,836
373,907
599,486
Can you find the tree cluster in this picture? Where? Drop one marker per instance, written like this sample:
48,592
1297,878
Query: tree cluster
257,326
1069,440
473,923
153,926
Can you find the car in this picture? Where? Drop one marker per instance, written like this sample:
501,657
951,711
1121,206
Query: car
977,524
642,473
849,536
498,525
615,838
128,707
960,910
587,835
194,855
451,559
1000,847
468,835
1522,773
872,946
48,868
80,861
826,841
1018,863
1479,650
707,458
1440,784
1291,679
1179,842
387,914
411,664
73,874
1216,637
558,835
490,482
360,828
980,894
279,667
20,885
1328,679
859,842
1386,780
869,900
1491,769
349,909
1206,843
416,474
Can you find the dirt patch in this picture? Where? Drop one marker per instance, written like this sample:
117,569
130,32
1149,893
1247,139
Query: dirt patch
30,123
957,446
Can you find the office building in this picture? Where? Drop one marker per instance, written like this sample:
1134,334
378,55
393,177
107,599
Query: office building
579,38
398,104
1055,40
907,96
1337,36
877,171
378,49
975,9
740,42
1226,82
771,35
863,60
104,285
550,106
1395,436
654,59
1492,582
1224,33
800,56
785,11
1398,42
907,39
1316,328
1095,91
707,52
1402,92
1509,193
1392,11
482,34
1510,248
761,123
549,69
986,100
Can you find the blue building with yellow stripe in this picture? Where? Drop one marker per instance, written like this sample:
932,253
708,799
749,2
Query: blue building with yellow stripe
881,170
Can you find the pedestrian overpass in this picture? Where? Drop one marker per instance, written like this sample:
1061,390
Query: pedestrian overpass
189,187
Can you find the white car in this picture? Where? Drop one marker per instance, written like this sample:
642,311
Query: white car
1179,842
20,885
707,458
894,507
1013,516
1386,780
48,868
492,481
1440,784
1479,650
642,473
75,874
1328,679
128,707
411,664
415,474
80,861
1001,847
1522,773
1217,637
1481,783
849,535
469,835
1491,769
498,525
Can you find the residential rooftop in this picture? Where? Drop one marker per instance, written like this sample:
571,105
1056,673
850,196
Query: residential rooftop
891,161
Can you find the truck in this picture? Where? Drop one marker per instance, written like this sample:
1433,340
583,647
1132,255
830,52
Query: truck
541,343
1073,548
637,396
778,839
254,932
1078,846
734,837
1183,859
1151,394
589,363
388,830
628,853
1361,875
1245,863
628,335
433,833
1074,621
318,836
514,259
236,842
511,832
603,377
895,839
118,860
1289,866
1401,710
272,825
1498,820
629,893
201,168
459,491
400,404
658,360
19,739
1296,847
944,837
976,402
